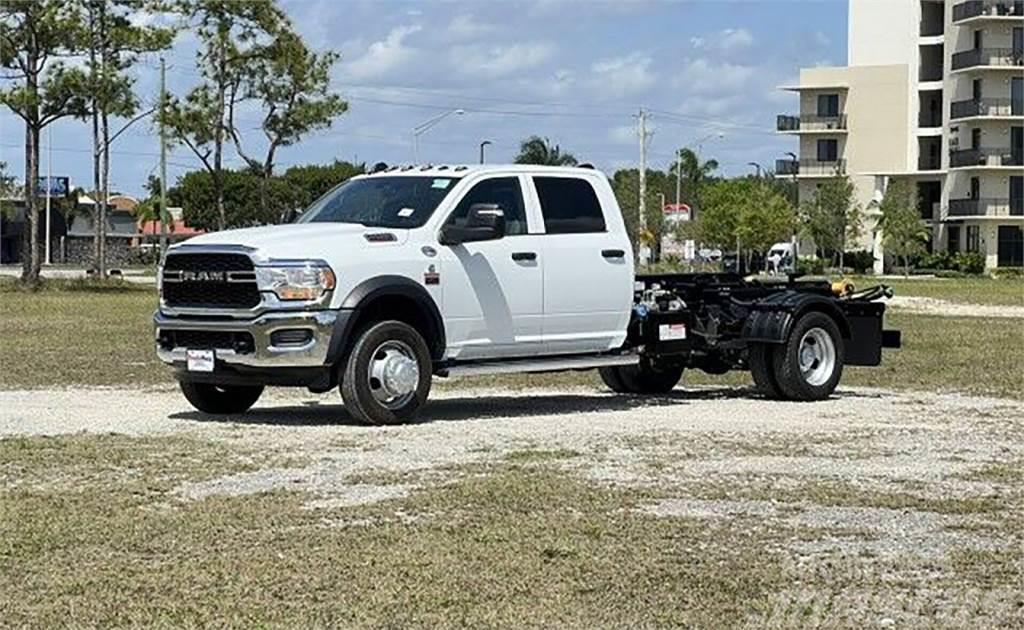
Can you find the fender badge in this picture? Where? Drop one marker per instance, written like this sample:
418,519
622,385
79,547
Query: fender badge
431,277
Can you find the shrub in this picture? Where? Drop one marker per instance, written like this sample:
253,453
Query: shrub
1008,273
810,266
860,261
969,262
949,273
936,260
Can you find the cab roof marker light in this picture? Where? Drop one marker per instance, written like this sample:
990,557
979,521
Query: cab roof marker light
408,167
443,167
461,167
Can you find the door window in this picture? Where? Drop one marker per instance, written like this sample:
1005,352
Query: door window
569,205
503,191
1011,246
1017,96
953,239
1016,195
975,188
828,150
828,105
973,238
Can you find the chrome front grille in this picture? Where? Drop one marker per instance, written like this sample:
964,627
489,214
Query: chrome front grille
209,280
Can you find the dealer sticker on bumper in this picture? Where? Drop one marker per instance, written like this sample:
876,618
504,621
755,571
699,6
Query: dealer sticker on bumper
671,332
199,360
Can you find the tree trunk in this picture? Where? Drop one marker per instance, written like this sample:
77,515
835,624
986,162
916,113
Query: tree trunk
30,238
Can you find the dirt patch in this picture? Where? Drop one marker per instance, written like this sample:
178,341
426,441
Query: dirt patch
935,306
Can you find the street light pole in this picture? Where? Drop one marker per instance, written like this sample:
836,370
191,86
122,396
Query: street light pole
758,167
424,127
482,145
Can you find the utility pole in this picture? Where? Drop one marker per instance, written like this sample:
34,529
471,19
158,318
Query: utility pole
49,189
163,157
644,251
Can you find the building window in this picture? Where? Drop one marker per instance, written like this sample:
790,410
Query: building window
973,238
828,105
828,150
953,239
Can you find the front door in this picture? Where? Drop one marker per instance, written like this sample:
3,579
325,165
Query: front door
1011,246
493,290
588,266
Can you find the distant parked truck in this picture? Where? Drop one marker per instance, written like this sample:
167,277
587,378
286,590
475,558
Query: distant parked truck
401,275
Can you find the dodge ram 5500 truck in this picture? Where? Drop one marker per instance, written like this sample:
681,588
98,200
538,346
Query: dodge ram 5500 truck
398,276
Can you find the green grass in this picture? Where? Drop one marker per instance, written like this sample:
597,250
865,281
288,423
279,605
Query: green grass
72,337
1002,292
61,337
516,544
517,547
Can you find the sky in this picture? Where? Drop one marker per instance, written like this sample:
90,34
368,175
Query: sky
574,71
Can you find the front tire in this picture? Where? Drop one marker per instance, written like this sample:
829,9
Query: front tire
388,374
809,365
221,399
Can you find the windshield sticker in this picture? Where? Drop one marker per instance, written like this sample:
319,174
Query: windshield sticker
441,183
406,212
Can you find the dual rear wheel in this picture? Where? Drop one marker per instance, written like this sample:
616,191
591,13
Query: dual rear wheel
807,366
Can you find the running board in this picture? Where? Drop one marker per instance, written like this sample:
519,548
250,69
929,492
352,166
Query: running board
553,364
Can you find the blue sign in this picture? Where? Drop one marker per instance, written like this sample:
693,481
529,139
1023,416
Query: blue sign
53,186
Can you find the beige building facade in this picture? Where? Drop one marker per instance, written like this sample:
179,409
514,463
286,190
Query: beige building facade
933,93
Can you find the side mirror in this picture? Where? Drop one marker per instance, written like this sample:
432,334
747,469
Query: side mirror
485,222
290,215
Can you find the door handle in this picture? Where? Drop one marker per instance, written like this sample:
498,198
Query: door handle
524,256
613,253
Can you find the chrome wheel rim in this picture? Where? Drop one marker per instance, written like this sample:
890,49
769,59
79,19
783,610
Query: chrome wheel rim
817,356
393,374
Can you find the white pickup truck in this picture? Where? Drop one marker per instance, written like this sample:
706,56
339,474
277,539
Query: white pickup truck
397,276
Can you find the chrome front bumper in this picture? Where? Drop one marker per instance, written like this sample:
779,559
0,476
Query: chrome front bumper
264,354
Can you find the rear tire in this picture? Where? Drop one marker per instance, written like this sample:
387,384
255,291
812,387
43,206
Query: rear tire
388,374
643,379
221,399
761,359
809,365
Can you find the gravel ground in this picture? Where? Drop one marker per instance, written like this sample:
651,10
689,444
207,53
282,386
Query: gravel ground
935,306
881,441
892,485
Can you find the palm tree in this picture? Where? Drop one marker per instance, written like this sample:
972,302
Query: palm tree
537,150
695,173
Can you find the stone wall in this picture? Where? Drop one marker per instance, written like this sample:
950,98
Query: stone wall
78,251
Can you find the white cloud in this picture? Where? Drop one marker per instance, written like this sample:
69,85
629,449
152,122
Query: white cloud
491,62
386,55
726,40
623,134
735,39
624,75
465,26
701,76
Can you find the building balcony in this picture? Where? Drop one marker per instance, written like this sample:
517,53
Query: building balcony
810,168
989,58
986,107
986,158
988,9
929,163
986,207
930,72
811,124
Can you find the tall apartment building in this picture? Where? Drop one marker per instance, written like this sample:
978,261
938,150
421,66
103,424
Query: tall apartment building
934,92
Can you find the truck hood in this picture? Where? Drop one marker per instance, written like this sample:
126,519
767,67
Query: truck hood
301,240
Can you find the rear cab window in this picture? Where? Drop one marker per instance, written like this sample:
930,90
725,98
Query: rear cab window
569,205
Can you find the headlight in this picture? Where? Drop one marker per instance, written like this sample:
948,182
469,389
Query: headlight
298,280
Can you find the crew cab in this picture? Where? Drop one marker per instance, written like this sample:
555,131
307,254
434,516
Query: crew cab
407,273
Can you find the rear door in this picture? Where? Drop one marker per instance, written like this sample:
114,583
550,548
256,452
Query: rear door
493,290
588,265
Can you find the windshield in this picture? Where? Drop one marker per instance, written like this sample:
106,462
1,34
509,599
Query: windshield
381,201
